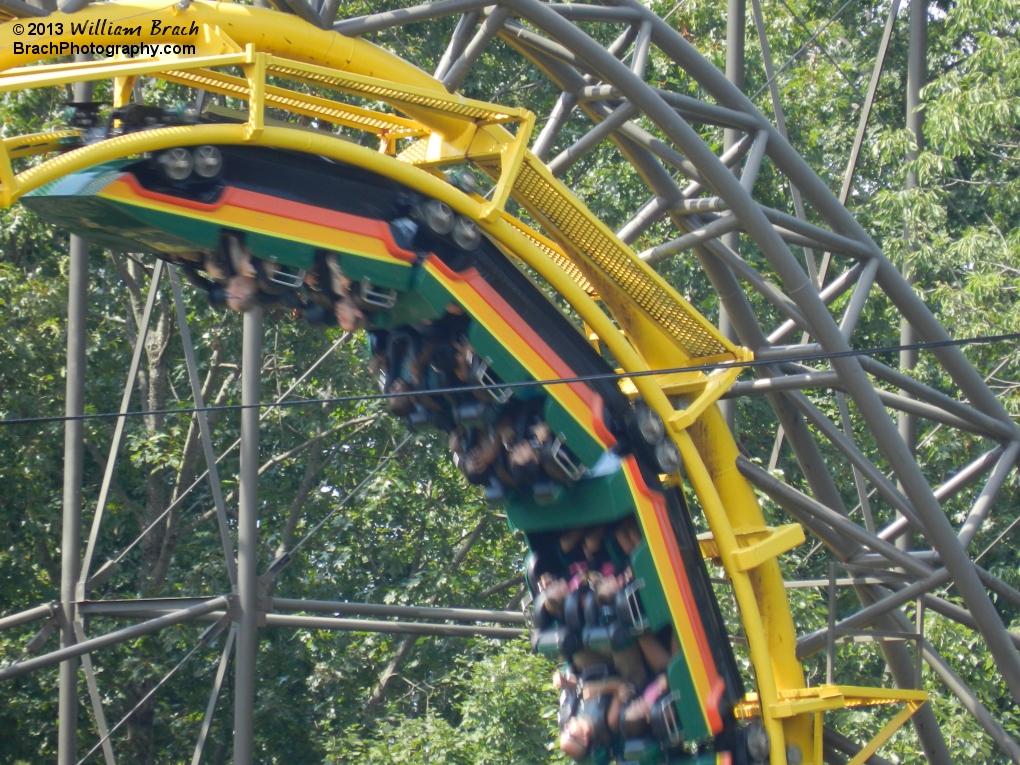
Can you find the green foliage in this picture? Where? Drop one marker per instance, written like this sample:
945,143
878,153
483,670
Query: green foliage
503,713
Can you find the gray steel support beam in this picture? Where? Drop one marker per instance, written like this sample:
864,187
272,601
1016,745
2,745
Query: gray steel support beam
777,110
831,431
97,700
214,695
717,228
462,65
809,256
70,541
303,11
118,431
690,107
205,431
247,541
328,11
917,74
785,382
983,505
869,101
740,267
582,12
929,558
71,510
935,414
412,612
788,161
862,489
986,424
736,26
855,307
699,206
458,41
401,628
753,162
569,156
643,219
557,119
832,290
376,22
819,235
21,10
789,352
138,606
957,483
547,47
642,46
103,641
46,611
660,148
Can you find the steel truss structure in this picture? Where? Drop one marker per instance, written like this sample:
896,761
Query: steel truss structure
710,200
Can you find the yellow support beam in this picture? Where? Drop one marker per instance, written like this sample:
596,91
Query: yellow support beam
754,628
9,184
58,75
716,384
395,92
39,143
776,542
857,695
122,90
511,157
255,71
886,733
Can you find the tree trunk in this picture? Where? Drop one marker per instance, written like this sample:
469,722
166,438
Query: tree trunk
408,643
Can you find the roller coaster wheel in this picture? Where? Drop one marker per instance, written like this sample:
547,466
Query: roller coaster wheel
208,162
437,216
177,164
466,235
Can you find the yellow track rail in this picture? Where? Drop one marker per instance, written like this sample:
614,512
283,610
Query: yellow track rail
272,60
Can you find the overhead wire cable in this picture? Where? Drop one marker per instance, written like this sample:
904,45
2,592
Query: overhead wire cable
829,56
180,499
604,376
351,494
145,532
802,48
998,539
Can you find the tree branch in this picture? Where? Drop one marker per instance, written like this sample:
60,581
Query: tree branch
408,643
